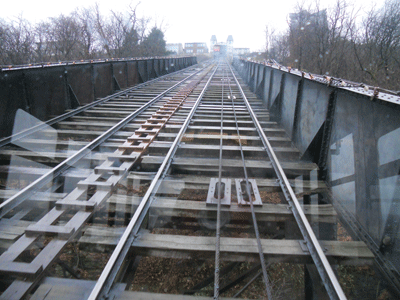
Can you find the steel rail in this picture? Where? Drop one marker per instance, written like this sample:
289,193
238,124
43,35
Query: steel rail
253,214
43,125
328,277
22,195
110,272
218,229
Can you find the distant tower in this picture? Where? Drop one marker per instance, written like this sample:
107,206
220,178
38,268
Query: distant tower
229,45
213,41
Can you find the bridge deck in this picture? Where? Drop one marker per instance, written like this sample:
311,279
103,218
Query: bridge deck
153,176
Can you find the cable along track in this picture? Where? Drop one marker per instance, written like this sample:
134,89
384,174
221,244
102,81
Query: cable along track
156,207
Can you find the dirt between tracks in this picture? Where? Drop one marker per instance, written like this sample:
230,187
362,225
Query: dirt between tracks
174,276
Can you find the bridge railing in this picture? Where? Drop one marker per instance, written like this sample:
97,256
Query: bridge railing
352,132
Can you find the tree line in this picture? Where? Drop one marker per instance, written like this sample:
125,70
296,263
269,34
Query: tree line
342,42
84,34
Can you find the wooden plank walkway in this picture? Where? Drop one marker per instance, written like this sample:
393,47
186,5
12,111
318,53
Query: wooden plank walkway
232,249
268,212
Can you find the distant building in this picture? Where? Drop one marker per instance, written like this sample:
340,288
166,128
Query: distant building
229,45
213,42
222,48
174,48
196,48
219,49
241,51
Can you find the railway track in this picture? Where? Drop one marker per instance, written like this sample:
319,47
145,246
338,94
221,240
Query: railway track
186,168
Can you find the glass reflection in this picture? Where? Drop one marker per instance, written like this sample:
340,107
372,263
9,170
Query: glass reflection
389,156
342,172
43,141
342,158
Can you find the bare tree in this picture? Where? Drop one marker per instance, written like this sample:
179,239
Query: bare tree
301,35
3,30
342,20
17,42
377,45
143,24
43,51
330,40
276,45
269,37
88,40
65,34
120,33
84,34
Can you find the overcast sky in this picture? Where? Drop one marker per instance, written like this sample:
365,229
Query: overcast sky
183,21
